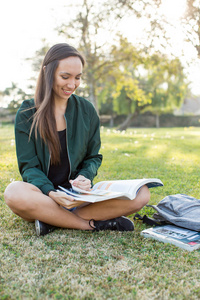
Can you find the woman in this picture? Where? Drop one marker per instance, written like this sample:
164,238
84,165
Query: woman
57,143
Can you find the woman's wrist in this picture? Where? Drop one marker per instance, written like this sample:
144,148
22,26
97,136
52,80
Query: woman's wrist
51,193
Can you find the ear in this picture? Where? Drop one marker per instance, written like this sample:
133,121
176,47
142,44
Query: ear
44,68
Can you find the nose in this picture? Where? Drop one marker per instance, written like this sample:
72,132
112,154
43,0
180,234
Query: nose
71,84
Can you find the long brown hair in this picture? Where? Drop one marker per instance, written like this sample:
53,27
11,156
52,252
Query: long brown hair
44,119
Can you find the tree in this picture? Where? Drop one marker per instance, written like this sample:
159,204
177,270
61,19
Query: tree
17,96
167,84
144,82
191,23
93,31
129,97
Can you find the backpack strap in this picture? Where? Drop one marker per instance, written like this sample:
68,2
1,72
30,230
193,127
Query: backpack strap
150,221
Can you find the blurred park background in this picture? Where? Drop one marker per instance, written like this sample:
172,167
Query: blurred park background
143,57
143,66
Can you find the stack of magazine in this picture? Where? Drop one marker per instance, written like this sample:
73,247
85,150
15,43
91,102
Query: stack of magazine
181,237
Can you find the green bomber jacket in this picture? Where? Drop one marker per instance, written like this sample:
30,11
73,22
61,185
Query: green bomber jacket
83,143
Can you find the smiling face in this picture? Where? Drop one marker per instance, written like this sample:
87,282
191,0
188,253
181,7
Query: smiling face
67,78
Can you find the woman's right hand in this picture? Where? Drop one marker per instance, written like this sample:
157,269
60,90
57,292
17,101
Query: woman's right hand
64,200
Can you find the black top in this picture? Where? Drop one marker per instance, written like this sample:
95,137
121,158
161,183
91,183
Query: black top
58,174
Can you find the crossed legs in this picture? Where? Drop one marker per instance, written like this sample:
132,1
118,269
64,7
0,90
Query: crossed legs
27,201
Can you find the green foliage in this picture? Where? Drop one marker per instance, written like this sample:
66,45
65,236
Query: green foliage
166,82
88,31
16,95
122,82
72,264
139,82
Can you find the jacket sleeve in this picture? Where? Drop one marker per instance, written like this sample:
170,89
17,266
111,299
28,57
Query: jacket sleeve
30,166
93,158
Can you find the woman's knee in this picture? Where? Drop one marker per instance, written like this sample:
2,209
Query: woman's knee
10,192
145,195
16,196
142,198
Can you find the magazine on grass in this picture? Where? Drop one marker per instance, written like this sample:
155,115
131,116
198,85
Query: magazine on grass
105,190
180,237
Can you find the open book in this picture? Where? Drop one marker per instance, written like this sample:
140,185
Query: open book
118,189
180,237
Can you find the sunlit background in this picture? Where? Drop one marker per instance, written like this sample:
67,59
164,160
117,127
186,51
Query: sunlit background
25,23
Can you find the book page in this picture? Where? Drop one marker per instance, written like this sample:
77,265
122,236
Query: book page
92,191
90,197
126,187
105,190
129,187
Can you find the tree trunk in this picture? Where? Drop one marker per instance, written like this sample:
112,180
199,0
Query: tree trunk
111,122
157,121
127,121
92,96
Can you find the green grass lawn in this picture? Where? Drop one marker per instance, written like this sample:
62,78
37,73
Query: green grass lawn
70,264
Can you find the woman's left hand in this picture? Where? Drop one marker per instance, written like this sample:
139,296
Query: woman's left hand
82,183
64,199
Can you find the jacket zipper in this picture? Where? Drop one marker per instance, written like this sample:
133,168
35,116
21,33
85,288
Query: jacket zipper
68,152
48,164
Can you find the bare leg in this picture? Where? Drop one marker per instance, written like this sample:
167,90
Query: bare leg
27,201
115,207
30,203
